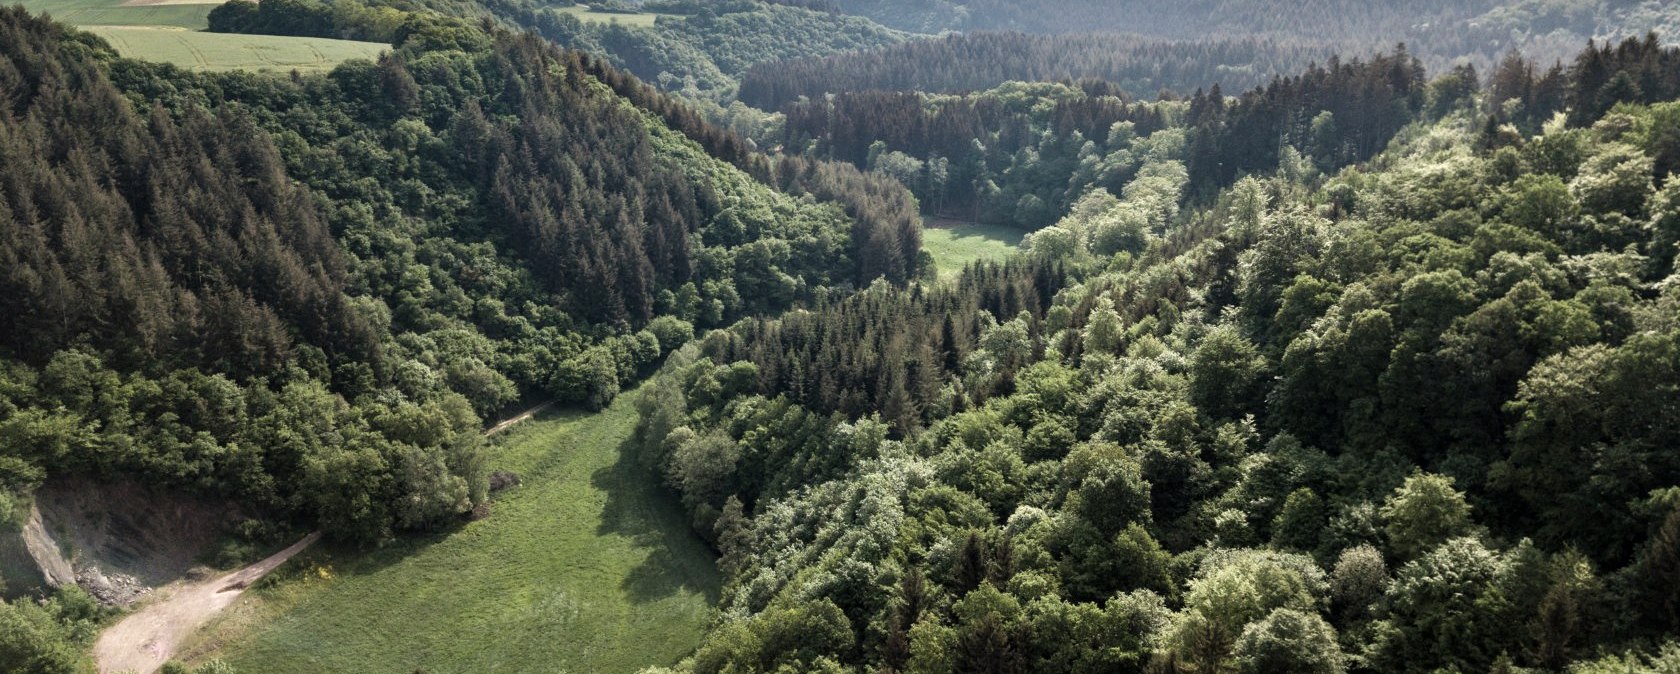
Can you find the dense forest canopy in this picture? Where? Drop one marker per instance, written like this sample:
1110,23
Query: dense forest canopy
1022,154
961,63
1412,413
1355,350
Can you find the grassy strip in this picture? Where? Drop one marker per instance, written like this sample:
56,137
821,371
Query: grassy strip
589,566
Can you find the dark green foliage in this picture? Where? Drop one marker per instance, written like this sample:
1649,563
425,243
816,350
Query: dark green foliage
1139,66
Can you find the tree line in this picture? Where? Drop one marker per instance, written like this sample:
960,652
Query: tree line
1444,33
958,63
1022,153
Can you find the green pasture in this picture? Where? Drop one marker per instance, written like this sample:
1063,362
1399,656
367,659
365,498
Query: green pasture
960,244
589,566
116,13
196,50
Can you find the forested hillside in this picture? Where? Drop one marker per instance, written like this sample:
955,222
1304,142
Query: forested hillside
305,294
1022,154
699,49
1412,415
1341,336
1441,31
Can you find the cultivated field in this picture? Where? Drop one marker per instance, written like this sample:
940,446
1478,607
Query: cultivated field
583,12
171,31
955,244
587,567
196,50
116,13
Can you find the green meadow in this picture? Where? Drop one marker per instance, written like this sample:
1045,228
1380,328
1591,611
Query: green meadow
961,244
173,33
116,13
196,50
589,566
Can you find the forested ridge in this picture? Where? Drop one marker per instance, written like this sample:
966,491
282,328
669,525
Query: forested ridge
697,49
1408,408
960,63
1022,154
1443,32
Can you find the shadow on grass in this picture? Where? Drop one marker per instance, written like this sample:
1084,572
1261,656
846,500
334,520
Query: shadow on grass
998,235
639,507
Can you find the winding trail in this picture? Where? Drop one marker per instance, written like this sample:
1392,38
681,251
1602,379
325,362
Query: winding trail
146,639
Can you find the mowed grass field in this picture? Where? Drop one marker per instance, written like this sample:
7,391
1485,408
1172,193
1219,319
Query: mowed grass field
115,13
171,31
589,566
954,245
196,50
638,20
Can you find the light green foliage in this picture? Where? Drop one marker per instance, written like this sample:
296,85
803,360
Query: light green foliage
1109,490
1617,179
1665,660
1054,243
1288,641
1235,589
1104,331
1424,512
785,638
1360,578
1226,373
48,637
1446,610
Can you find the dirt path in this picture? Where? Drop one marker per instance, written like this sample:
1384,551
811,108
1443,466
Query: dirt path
527,415
146,639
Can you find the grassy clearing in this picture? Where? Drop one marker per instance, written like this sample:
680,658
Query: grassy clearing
114,13
959,244
637,20
223,51
587,567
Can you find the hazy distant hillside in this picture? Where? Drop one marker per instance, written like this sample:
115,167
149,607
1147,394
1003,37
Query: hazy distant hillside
1439,30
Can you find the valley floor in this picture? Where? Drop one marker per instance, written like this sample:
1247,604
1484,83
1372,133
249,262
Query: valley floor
589,566
955,244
